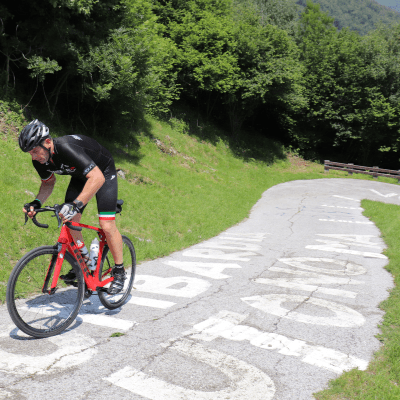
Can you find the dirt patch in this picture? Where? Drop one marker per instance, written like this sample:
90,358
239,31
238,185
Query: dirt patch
170,150
8,129
297,162
140,180
136,179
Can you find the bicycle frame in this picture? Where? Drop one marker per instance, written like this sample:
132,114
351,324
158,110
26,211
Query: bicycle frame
67,243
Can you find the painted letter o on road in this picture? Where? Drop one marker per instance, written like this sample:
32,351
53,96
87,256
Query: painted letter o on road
344,317
248,382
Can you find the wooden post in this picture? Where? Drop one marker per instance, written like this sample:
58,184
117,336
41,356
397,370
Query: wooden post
375,174
349,172
326,167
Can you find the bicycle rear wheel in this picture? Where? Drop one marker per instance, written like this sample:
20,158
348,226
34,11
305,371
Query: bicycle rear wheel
113,301
40,314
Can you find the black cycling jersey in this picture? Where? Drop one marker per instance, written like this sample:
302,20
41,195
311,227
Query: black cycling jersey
75,155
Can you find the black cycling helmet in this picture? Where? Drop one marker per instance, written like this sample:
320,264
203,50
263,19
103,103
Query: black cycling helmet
33,135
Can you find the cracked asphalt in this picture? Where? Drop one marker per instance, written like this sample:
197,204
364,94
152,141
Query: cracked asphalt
272,308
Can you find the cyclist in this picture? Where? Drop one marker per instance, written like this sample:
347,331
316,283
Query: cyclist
92,171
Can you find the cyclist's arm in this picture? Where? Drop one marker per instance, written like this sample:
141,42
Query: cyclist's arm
45,190
95,180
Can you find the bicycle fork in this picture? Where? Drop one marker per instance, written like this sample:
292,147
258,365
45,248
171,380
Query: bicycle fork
54,269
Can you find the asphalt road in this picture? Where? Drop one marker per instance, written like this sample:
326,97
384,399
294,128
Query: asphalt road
272,308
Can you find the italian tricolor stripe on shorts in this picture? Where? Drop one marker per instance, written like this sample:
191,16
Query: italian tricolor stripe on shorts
107,216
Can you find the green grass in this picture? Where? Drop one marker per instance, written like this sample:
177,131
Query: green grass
382,378
117,334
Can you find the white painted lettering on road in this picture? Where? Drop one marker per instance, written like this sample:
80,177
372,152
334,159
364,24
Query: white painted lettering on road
88,314
345,245
219,255
228,245
347,221
247,381
4,394
106,320
188,287
384,195
73,349
346,198
210,270
346,268
226,325
343,316
296,284
353,240
346,208
340,248
311,277
146,302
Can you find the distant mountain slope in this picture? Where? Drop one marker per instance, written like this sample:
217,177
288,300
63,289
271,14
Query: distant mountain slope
358,15
393,4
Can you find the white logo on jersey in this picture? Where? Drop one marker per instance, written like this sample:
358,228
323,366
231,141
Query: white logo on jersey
64,168
89,168
76,137
112,177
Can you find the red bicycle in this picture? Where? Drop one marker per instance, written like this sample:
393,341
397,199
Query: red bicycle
40,303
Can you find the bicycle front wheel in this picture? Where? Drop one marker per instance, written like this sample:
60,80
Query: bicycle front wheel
41,314
113,301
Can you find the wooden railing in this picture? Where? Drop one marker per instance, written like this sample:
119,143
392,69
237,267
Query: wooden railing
358,169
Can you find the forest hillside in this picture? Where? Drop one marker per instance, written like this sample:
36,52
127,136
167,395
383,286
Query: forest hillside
358,15
253,68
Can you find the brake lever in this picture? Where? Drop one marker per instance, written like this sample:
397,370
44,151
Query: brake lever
57,208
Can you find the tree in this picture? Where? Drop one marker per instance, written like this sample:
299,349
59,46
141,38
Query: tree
270,72
98,63
317,39
353,90
281,13
228,55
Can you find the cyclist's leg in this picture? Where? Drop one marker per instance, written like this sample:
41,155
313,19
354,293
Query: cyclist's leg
110,299
114,239
106,204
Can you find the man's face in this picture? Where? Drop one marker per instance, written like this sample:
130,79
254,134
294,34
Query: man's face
39,154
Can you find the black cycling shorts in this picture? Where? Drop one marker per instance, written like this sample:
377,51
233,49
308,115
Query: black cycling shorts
106,196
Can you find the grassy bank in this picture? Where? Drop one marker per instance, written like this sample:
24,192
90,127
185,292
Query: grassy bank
382,378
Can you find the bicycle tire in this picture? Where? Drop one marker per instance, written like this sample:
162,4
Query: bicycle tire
113,301
33,312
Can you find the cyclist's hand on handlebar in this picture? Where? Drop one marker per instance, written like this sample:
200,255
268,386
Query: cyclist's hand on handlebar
68,211
29,208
